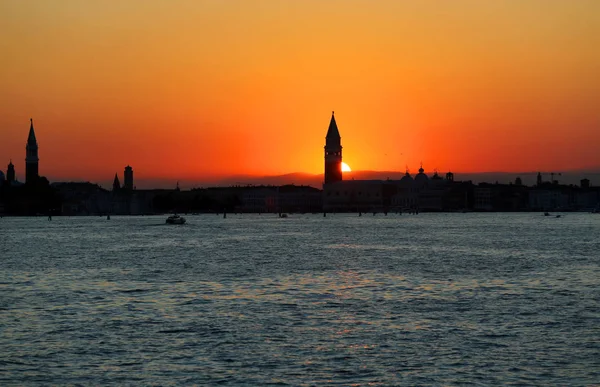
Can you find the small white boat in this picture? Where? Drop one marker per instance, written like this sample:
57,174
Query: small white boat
175,219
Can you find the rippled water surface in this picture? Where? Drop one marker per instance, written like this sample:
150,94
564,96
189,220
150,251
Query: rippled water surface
432,299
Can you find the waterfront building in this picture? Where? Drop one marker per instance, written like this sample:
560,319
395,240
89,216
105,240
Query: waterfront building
550,198
354,195
82,198
406,196
292,198
259,199
483,198
431,191
31,159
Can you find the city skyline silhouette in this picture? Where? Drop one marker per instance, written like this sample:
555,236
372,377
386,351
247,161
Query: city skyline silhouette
203,92
298,178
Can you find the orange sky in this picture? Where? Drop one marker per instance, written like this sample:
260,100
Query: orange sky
188,89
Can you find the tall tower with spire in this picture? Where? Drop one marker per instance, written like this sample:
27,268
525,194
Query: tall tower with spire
116,184
32,159
333,153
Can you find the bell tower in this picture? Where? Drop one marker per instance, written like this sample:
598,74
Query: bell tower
116,184
10,172
333,153
128,178
32,159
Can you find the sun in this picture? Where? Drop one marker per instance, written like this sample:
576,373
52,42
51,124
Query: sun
346,167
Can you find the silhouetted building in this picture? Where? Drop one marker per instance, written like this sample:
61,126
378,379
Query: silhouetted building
128,178
421,179
406,194
587,197
539,179
354,195
2,178
286,198
10,173
82,198
548,198
292,198
260,199
483,198
116,184
32,159
500,197
585,183
333,153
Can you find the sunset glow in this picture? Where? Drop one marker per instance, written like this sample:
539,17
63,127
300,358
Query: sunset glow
197,88
346,167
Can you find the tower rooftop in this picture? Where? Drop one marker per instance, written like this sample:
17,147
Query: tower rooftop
333,132
31,140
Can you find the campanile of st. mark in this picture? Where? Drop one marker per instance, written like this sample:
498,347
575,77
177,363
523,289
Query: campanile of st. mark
333,153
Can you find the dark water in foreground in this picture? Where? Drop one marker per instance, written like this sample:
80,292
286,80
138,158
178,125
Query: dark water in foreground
433,299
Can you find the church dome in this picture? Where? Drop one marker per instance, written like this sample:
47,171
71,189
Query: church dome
421,176
406,179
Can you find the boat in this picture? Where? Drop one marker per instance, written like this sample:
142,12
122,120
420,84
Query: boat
175,219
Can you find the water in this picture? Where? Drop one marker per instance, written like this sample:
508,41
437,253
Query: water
433,299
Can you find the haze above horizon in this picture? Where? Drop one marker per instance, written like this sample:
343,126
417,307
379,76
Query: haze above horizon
201,89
